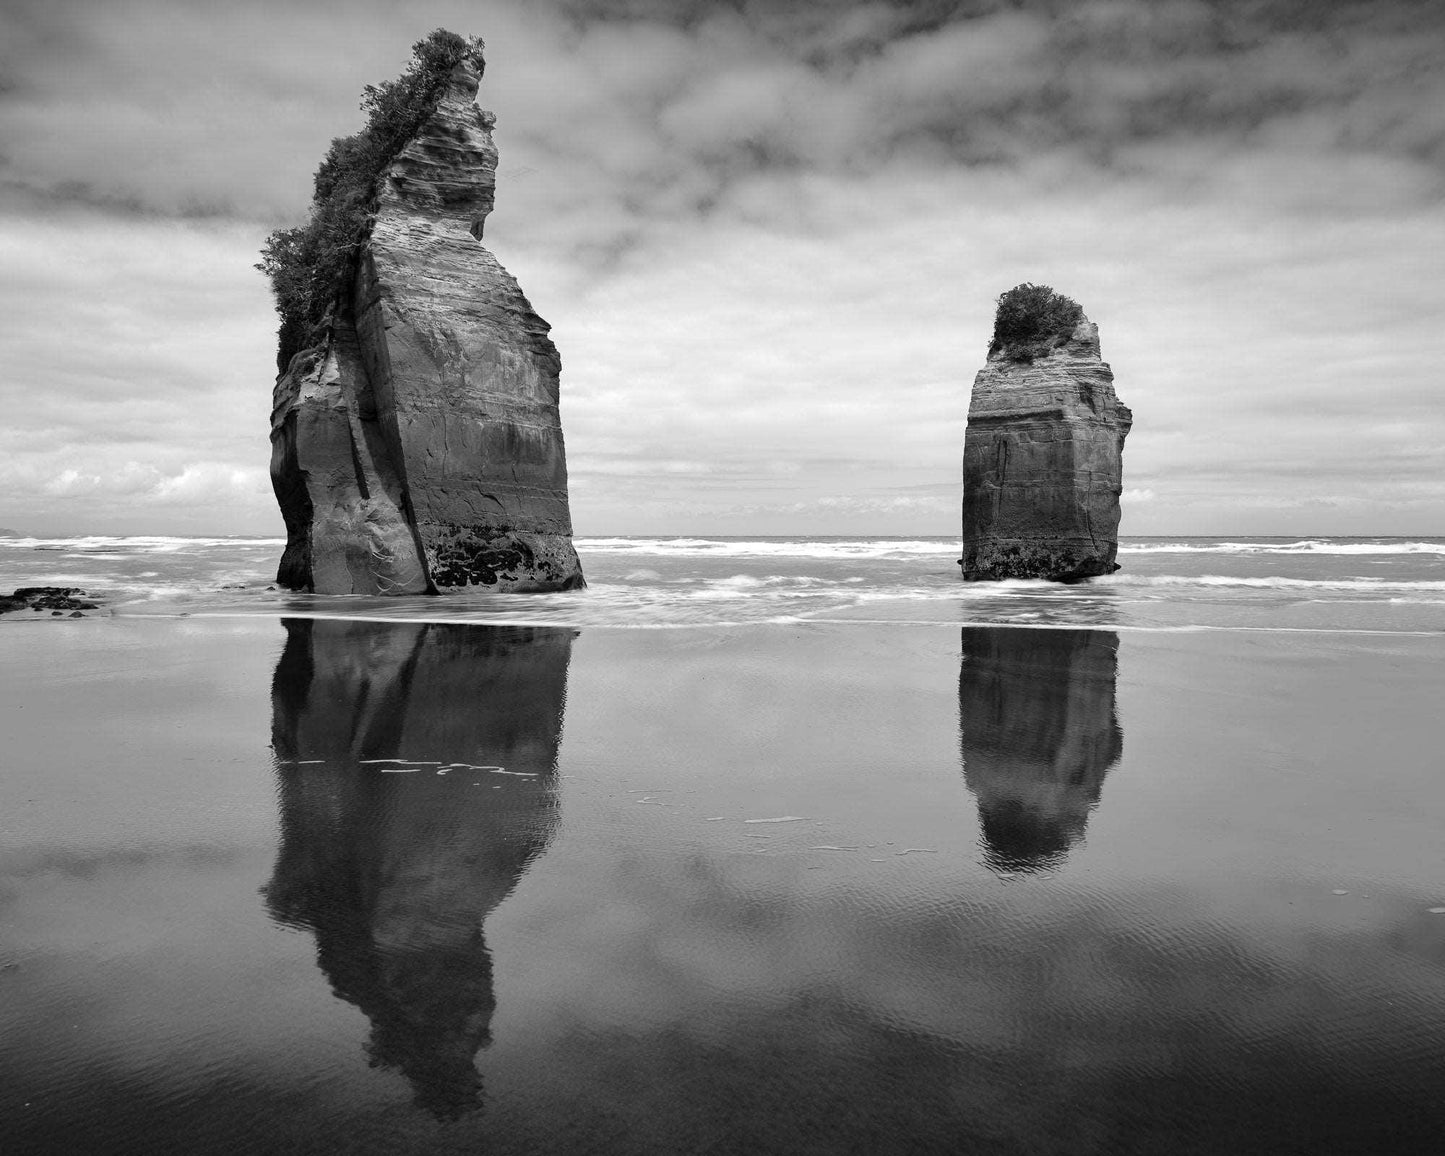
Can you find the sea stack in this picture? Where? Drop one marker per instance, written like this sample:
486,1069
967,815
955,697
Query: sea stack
1042,456
416,441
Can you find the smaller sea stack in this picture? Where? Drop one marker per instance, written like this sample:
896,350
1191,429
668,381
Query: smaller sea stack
1042,456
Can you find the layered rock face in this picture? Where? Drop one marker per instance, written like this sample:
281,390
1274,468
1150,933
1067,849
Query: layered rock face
416,768
1042,465
416,443
1038,732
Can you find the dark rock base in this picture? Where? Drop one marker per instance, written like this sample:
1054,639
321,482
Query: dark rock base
997,561
503,560
54,598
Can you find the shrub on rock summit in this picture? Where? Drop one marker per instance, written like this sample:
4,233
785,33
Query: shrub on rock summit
1033,320
310,264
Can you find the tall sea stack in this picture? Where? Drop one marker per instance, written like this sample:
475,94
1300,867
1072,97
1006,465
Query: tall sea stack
1042,456
416,442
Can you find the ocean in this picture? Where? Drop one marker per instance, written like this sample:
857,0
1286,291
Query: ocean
756,845
1169,583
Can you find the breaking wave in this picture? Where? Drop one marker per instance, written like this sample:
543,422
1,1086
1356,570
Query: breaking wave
825,548
1303,546
1274,582
843,548
773,548
124,545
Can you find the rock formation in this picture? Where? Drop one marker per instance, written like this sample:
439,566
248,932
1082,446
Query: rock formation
416,442
399,834
52,598
1037,734
1042,468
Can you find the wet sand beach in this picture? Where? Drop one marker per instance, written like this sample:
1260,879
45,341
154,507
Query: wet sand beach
349,886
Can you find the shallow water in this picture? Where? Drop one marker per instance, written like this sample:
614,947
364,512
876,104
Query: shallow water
339,885
1382,584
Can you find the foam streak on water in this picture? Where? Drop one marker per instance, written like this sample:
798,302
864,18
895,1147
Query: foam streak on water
1273,546
1364,584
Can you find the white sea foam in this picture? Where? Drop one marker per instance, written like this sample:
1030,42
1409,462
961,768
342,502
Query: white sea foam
838,592
794,548
943,547
781,548
1273,582
101,545
162,593
1303,546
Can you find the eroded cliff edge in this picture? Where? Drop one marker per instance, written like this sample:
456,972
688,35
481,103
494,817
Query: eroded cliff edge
416,439
1043,462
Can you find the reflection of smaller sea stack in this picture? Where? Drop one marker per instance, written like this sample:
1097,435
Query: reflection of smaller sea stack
1038,733
1042,456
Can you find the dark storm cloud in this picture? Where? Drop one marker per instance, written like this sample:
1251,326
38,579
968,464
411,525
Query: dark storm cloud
212,104
146,107
995,82
29,198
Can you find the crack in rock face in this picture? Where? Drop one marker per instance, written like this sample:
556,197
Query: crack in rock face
416,440
1043,464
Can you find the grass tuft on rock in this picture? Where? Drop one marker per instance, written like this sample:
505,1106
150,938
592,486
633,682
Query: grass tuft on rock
1032,321
312,264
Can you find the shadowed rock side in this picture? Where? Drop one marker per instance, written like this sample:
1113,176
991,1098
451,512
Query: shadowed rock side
416,442
1037,734
1042,465
395,864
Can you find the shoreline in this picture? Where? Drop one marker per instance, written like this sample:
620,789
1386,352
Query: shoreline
581,624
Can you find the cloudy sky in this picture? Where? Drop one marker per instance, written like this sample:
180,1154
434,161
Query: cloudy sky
768,237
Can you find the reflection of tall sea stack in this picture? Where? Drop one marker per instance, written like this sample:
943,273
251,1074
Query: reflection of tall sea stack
1038,733
1042,468
391,853
416,441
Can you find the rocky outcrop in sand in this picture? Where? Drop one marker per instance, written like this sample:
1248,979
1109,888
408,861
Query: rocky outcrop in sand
1038,732
416,442
416,769
1042,464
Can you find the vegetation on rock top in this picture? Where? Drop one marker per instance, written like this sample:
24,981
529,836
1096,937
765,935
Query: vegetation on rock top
1032,321
311,264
